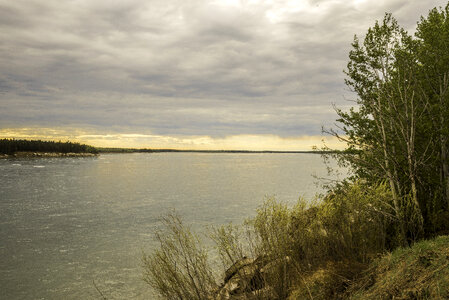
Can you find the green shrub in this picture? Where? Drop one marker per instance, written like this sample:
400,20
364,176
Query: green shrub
231,244
273,227
179,269
355,222
358,222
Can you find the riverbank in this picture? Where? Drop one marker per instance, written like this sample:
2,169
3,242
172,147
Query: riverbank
31,154
417,272
329,249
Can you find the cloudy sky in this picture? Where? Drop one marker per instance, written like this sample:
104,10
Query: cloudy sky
224,74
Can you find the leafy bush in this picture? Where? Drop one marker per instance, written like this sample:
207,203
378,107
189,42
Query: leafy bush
354,222
346,230
230,244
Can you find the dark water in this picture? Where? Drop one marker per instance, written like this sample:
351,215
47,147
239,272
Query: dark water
65,222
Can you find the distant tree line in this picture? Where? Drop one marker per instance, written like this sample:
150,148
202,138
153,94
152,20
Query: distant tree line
147,150
11,146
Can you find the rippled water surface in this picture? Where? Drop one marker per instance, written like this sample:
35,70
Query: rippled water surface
66,222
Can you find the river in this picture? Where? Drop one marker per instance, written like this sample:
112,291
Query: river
66,222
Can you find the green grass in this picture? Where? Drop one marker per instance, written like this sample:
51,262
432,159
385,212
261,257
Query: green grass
418,272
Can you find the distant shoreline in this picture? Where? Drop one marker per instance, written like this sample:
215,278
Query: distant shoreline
132,150
37,154
12,148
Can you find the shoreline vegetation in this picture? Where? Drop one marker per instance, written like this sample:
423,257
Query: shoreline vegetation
12,148
31,154
382,233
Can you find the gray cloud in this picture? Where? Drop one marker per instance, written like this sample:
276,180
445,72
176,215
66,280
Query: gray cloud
182,67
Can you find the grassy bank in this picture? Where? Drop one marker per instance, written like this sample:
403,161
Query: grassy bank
345,246
418,272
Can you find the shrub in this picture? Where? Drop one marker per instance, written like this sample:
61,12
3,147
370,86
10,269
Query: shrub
179,269
345,230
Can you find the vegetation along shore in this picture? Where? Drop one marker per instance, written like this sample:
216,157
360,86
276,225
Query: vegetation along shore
381,233
12,148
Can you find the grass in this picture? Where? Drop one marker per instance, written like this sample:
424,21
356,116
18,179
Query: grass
418,272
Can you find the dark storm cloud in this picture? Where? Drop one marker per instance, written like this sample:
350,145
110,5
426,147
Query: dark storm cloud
182,67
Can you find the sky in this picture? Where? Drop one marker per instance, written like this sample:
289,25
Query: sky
184,74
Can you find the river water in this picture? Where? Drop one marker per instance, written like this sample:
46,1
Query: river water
68,222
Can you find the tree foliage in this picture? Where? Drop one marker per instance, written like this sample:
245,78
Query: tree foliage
11,146
399,130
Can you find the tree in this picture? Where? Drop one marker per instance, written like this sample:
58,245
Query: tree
433,55
399,131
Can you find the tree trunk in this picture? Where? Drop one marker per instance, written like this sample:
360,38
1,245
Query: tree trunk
443,139
390,177
445,169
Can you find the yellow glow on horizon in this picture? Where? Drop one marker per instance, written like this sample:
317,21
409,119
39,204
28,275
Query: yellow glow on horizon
140,140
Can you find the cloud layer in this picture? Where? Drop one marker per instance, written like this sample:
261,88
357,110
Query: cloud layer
173,67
